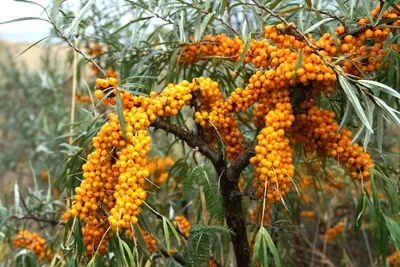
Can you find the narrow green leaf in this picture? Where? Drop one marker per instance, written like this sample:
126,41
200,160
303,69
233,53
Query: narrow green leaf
357,135
316,25
55,10
32,45
380,128
224,4
166,234
243,55
379,86
172,227
388,110
352,5
370,114
197,34
256,249
125,250
359,212
346,115
368,11
78,237
394,230
272,247
75,22
298,64
121,114
350,91
204,23
23,19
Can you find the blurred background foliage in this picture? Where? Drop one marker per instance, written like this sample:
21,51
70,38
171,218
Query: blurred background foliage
140,42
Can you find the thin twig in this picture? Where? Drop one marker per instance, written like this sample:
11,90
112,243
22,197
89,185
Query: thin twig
87,58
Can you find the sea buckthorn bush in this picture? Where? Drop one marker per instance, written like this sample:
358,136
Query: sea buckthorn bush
240,133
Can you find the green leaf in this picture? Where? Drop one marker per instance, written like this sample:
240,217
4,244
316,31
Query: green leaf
166,234
204,24
380,128
23,19
78,237
298,64
257,248
75,22
370,114
125,250
368,11
379,86
55,10
205,176
316,25
224,4
350,91
271,247
199,242
394,230
121,114
352,5
243,55
359,212
32,45
390,112
346,115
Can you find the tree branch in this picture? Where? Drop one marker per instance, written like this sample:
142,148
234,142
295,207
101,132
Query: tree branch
65,38
236,168
34,218
193,141
229,185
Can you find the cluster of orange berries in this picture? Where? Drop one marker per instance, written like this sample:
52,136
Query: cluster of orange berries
215,118
95,236
157,166
151,243
183,224
394,259
31,241
255,214
82,98
317,131
112,190
211,46
307,214
274,154
333,232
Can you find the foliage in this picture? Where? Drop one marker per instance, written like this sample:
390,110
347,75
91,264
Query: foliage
147,45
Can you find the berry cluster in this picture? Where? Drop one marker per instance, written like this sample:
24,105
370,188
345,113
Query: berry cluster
333,232
215,118
394,259
256,213
157,166
151,243
307,214
317,131
31,241
183,224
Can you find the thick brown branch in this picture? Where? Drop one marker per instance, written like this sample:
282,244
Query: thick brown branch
34,218
236,168
229,186
193,141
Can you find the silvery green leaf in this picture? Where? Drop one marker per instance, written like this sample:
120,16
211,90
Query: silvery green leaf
350,91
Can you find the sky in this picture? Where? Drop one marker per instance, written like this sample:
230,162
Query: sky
25,31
